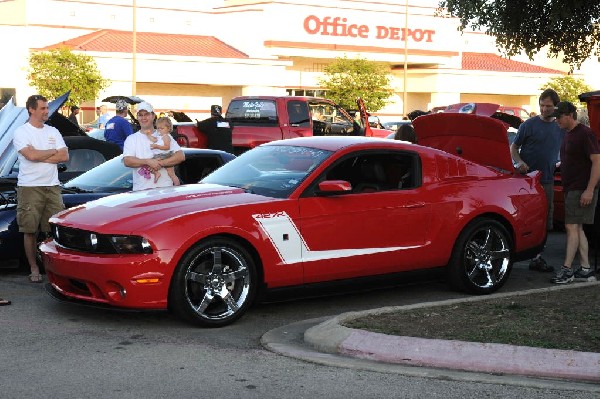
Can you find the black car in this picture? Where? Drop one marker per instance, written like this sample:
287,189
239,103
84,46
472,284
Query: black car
111,177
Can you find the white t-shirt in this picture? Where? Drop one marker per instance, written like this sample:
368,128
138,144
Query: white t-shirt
138,145
36,174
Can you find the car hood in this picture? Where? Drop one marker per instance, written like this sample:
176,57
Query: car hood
12,117
140,210
480,139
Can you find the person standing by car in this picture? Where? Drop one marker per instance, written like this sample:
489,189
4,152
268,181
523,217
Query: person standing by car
580,173
536,147
217,130
40,148
137,152
118,128
104,117
406,133
73,115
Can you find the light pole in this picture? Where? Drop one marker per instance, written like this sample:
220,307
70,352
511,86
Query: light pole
405,96
134,50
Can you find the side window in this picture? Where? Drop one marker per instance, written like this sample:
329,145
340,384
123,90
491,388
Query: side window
84,159
193,169
375,172
299,113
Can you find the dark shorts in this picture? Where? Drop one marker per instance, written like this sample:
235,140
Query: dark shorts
35,205
577,214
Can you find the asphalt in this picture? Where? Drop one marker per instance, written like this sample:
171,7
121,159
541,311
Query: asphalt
326,341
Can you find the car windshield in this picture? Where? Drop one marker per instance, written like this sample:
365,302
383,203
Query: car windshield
273,171
110,176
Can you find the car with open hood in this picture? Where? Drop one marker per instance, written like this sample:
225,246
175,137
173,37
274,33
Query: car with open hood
301,213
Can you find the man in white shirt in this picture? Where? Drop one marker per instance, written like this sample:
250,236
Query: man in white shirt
40,147
138,154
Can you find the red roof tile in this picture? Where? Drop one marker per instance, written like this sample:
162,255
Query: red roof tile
113,41
493,62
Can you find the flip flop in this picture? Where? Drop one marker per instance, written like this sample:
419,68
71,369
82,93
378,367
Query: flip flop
4,302
36,278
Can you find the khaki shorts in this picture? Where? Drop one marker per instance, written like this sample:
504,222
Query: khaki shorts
35,205
577,214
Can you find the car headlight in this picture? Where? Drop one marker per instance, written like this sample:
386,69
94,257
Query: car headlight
131,244
88,241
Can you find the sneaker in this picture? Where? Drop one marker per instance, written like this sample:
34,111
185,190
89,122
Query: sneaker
540,265
564,276
585,275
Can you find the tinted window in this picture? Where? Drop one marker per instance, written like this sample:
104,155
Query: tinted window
112,175
298,112
83,159
252,111
371,172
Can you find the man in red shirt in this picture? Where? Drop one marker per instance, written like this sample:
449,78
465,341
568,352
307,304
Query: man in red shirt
580,173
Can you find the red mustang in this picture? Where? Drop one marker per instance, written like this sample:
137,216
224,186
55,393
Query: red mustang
303,211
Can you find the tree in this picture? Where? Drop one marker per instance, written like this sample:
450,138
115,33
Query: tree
347,79
55,72
568,88
568,27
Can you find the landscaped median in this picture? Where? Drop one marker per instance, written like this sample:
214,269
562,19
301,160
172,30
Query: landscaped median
436,347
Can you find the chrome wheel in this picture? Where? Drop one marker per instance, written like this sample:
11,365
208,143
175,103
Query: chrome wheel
481,261
214,283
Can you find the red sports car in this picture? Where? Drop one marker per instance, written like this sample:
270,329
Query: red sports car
304,211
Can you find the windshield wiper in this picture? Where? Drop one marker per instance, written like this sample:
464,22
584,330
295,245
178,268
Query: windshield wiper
74,190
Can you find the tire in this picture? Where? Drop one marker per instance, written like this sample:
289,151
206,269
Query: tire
481,258
214,283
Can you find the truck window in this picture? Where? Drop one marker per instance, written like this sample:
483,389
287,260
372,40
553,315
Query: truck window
298,112
252,112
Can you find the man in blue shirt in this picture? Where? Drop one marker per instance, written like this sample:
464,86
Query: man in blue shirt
536,147
118,128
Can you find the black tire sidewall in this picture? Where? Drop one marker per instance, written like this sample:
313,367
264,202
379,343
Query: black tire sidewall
457,276
177,302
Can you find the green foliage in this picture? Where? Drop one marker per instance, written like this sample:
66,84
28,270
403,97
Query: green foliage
347,79
570,28
568,88
55,72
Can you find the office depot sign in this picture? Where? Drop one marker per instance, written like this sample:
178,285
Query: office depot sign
339,26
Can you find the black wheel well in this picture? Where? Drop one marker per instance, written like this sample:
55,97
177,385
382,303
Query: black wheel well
500,219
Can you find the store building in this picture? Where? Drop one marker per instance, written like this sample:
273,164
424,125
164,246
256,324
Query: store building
191,54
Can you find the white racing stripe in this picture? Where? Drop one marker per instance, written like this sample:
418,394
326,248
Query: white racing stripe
292,248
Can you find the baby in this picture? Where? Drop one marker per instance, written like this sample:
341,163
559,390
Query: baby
164,126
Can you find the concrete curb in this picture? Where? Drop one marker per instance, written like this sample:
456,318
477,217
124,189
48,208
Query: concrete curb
332,337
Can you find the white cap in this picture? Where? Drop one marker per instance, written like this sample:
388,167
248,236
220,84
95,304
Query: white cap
145,107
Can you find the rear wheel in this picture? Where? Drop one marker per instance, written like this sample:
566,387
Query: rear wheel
481,259
214,283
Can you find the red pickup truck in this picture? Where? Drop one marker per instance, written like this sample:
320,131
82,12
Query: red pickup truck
259,119
255,120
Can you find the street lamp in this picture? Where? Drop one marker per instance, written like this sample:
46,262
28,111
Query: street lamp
134,51
405,96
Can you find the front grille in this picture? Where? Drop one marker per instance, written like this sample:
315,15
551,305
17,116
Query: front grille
81,240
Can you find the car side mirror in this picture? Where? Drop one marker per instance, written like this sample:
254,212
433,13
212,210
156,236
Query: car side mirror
62,167
334,187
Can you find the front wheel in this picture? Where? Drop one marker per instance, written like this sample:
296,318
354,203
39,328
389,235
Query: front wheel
481,258
214,283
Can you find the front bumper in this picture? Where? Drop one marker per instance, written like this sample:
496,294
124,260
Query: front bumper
138,281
